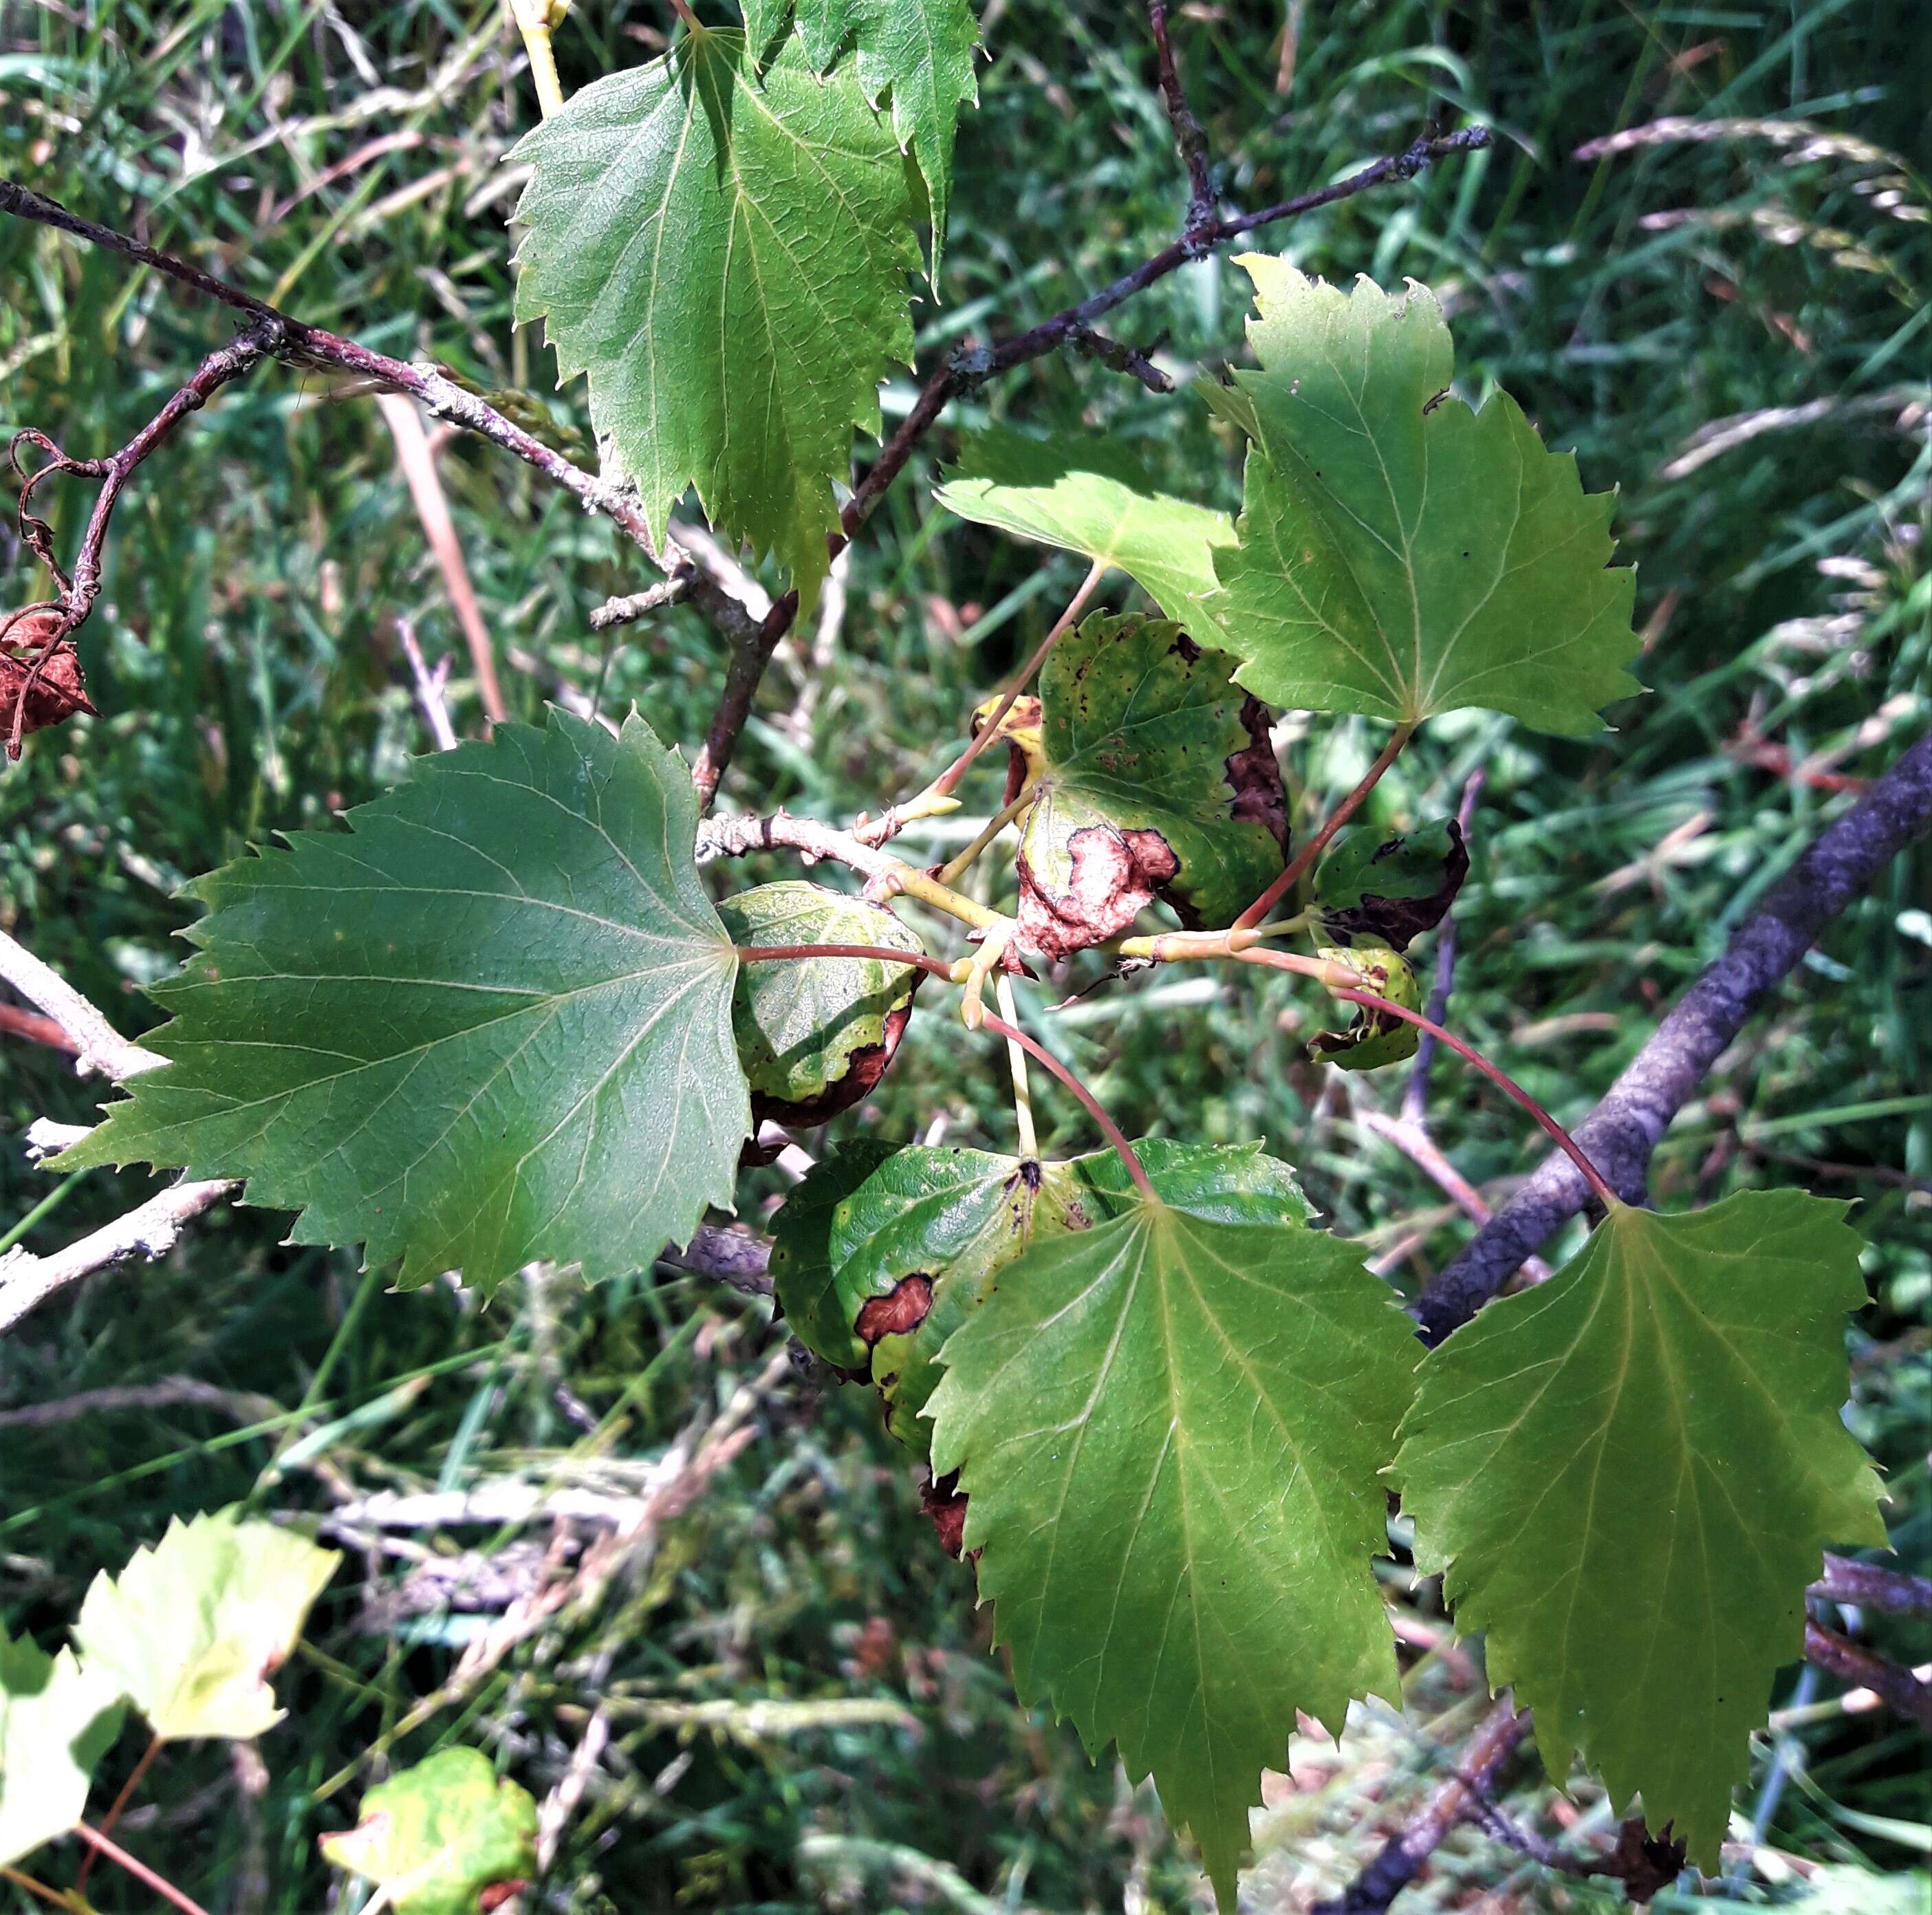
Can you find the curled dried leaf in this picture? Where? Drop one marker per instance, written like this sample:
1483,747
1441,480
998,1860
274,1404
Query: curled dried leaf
1376,890
41,680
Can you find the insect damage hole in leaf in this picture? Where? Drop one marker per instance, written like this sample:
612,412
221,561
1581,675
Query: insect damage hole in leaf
489,1022
1156,781
1399,557
1627,1476
1170,1432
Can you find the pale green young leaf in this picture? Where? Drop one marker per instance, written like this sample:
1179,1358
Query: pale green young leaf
436,1836
191,1630
490,1022
1628,1476
921,52
1157,782
724,253
1170,1433
1399,554
1085,496
57,1717
815,1034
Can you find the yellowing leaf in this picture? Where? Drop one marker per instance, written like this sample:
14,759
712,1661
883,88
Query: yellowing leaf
435,1837
1400,554
192,1629
1170,1432
57,1717
724,253
1628,1477
490,1022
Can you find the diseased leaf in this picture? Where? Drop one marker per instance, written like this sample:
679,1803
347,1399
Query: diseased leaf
490,1022
192,1628
1373,890
724,253
1169,1432
1400,554
1628,1476
1158,782
801,1262
1218,1183
920,51
816,1034
437,1836
57,1717
1086,496
1373,1037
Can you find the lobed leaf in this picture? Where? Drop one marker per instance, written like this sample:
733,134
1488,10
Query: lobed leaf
814,1035
57,1717
1400,554
489,1022
1157,781
1087,496
192,1629
1170,1432
439,1835
1628,1476
803,1276
725,255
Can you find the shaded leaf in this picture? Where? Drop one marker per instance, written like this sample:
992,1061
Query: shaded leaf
725,255
1400,554
192,1628
815,1034
57,1717
1157,782
1086,496
1628,1476
920,51
1373,1038
490,1022
1373,890
437,1836
1169,1432
801,1261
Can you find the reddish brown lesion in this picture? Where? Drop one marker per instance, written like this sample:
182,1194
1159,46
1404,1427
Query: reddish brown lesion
943,1500
1113,875
903,1308
863,1069
40,681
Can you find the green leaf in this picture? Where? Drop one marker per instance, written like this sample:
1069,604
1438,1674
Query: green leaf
725,255
1086,496
192,1629
1169,1432
1399,553
1158,782
1376,889
491,1022
921,51
437,1835
815,1034
1373,1037
801,1261
57,1717
1629,1476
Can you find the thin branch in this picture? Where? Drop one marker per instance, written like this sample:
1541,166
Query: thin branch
1120,358
1415,1098
1899,1689
1624,1129
1292,873
98,1046
429,686
1867,1585
140,1870
1187,133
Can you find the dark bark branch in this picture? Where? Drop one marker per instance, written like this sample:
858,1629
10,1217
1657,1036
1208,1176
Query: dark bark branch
1120,358
1899,1689
1624,1130
1866,1585
1187,133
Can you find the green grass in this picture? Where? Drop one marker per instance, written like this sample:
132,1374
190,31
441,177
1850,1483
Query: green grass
242,657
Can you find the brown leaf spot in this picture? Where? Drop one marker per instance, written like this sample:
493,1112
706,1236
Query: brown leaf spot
1113,876
1254,775
497,1893
863,1069
902,1308
40,681
943,1501
1646,1864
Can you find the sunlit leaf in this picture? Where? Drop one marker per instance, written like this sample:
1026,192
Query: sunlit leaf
192,1628
1170,1433
1399,553
724,253
436,1837
57,1717
1628,1476
490,1022
801,1261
